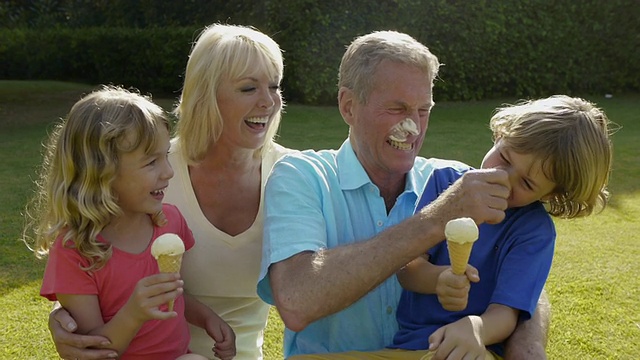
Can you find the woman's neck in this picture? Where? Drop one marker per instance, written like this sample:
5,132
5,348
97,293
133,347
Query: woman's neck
225,158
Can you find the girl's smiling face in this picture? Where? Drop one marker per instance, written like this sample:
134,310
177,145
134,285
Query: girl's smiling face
142,177
528,180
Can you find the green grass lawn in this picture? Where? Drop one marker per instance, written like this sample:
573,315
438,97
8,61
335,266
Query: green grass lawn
594,284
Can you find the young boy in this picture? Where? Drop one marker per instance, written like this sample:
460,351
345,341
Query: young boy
558,154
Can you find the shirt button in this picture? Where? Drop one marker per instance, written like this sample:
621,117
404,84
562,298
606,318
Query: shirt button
380,223
389,310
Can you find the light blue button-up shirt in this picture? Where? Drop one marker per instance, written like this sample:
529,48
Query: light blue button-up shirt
325,199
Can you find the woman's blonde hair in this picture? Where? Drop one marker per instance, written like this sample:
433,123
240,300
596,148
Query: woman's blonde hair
221,51
572,137
74,198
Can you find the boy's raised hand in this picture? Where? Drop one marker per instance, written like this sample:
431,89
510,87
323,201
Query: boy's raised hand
453,290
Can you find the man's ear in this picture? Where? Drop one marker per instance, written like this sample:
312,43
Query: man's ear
346,102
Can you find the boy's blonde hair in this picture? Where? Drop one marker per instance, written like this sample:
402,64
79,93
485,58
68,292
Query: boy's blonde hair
572,137
221,51
73,196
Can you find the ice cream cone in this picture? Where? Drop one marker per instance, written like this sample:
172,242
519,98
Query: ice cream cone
459,256
168,250
169,264
461,234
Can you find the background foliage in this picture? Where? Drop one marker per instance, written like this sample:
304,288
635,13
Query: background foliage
521,48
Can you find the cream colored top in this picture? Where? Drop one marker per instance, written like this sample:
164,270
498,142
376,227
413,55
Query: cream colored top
222,270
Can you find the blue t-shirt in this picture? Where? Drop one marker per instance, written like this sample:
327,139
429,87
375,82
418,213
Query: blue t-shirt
513,259
325,199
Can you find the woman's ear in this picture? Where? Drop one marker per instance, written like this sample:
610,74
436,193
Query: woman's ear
346,101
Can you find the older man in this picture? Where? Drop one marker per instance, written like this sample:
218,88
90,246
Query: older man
339,224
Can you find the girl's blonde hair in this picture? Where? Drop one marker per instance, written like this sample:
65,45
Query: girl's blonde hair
572,137
74,198
221,51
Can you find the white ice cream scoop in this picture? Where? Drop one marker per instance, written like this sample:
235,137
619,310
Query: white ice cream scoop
167,244
461,230
403,129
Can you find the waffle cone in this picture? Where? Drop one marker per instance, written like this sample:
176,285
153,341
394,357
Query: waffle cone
169,264
459,256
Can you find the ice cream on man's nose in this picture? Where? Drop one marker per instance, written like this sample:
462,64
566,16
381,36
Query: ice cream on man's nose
403,129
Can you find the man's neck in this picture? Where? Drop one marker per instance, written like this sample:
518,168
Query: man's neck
390,189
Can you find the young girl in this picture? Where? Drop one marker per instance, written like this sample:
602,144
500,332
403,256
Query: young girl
105,170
